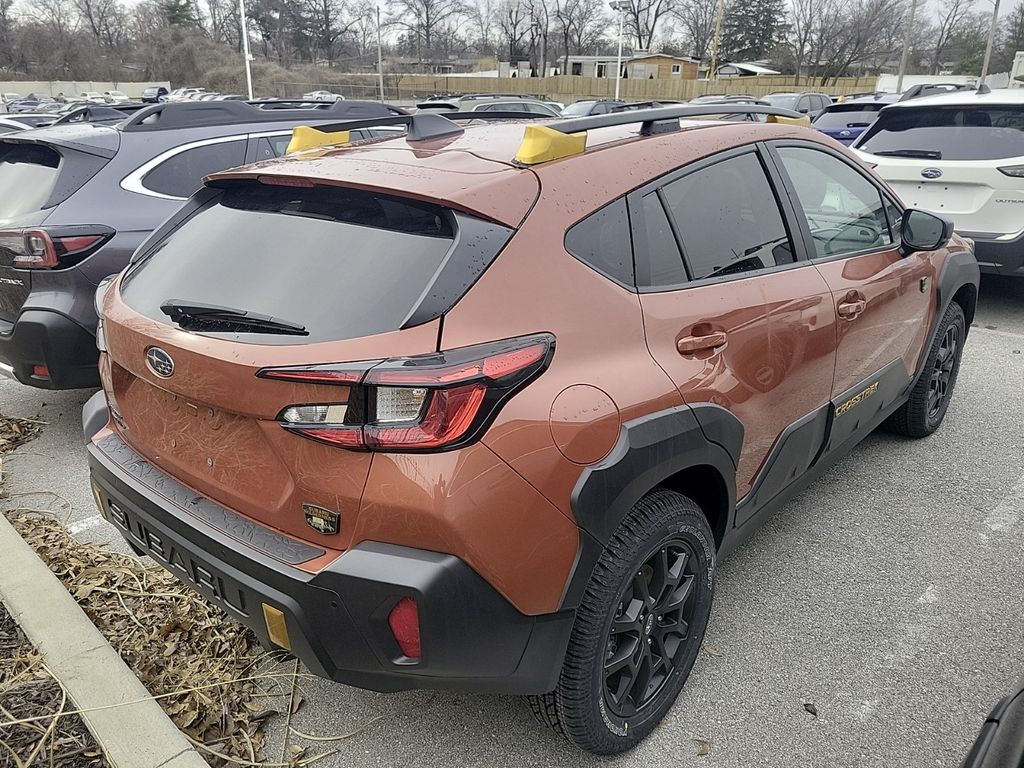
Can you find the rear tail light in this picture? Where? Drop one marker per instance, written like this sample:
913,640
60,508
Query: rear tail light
1016,171
404,621
425,403
43,249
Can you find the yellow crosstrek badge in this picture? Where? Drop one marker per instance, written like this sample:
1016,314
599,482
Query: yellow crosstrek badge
857,399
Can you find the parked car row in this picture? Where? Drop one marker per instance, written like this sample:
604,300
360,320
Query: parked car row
346,396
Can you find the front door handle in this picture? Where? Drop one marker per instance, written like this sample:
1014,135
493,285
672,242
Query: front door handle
850,309
689,344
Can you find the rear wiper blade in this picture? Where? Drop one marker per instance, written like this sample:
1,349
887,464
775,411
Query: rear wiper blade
927,154
186,313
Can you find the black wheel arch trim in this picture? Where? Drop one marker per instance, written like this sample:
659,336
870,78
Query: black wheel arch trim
958,270
649,450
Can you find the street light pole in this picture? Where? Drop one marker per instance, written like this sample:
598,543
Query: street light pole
907,39
988,48
245,48
618,60
380,60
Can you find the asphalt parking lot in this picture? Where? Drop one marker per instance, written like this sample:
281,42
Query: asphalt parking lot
888,595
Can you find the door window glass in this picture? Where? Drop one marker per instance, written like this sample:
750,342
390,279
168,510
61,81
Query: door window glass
728,219
662,264
844,210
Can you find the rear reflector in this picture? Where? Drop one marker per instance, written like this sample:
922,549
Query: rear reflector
40,372
404,621
277,627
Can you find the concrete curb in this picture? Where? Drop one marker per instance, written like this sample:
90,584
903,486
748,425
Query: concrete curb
134,735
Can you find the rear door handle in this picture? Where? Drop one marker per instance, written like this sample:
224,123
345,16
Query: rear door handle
850,309
689,344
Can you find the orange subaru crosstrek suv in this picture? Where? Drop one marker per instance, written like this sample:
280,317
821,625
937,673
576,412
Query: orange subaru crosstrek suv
483,407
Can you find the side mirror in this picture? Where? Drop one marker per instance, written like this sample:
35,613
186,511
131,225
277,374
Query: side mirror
923,231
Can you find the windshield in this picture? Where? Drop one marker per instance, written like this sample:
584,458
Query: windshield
950,133
783,100
340,262
849,117
28,174
579,109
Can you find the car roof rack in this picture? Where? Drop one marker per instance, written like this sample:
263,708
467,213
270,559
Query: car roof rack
553,138
195,114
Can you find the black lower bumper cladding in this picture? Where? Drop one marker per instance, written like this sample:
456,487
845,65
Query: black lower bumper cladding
41,337
337,619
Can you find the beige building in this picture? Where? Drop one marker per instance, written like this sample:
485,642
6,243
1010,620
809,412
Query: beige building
658,66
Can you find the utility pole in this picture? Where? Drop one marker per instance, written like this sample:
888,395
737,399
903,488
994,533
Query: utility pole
988,48
907,39
380,60
245,48
719,12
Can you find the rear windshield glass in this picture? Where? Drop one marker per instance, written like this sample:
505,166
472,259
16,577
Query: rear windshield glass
948,133
848,117
28,174
580,108
342,263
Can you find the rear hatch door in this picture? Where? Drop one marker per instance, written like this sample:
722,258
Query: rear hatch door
962,162
39,169
366,276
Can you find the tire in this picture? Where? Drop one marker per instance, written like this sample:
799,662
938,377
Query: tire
665,543
929,399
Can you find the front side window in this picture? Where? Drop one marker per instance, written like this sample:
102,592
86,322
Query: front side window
728,219
182,174
844,210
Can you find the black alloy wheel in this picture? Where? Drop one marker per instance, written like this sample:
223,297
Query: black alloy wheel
650,628
942,371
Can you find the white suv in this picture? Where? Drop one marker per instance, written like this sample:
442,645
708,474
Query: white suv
960,155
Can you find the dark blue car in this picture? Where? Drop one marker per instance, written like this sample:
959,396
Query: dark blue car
847,120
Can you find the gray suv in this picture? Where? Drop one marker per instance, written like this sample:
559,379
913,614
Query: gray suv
77,200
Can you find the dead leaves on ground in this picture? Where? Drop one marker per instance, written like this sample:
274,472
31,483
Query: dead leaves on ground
207,671
15,432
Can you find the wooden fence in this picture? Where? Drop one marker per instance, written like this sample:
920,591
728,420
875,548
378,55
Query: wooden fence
567,88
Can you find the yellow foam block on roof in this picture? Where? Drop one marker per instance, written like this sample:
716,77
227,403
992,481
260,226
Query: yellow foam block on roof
804,120
541,144
304,137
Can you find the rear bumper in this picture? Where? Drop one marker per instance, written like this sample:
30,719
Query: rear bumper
472,638
43,337
999,257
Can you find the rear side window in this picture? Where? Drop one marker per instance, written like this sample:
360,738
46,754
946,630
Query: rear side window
728,219
343,263
269,147
948,133
602,241
28,174
182,174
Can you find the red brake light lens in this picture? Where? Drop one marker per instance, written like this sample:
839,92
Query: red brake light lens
38,249
424,403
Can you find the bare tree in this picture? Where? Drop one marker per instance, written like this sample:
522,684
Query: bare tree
697,18
951,17
539,31
513,20
642,19
579,24
424,19
483,16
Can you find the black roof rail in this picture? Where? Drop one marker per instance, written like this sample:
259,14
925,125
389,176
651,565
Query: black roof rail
194,114
424,126
650,118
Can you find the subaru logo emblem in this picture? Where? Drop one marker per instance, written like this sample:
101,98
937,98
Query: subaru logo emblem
159,362
931,173
844,133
